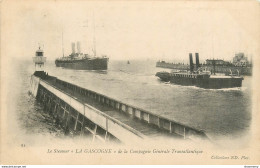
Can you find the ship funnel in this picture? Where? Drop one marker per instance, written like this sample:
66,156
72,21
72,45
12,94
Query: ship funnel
73,48
78,47
214,66
197,61
191,63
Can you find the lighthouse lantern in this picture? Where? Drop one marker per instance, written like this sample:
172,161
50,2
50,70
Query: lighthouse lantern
39,60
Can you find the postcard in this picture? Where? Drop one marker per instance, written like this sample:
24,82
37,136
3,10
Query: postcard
130,82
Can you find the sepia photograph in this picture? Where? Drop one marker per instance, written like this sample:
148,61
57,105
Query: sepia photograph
130,82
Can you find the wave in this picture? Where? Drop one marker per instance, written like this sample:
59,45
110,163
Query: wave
229,89
199,88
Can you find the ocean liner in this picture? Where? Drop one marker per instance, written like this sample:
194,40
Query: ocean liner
198,77
82,61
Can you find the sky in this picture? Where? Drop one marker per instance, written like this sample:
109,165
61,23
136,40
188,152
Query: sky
157,30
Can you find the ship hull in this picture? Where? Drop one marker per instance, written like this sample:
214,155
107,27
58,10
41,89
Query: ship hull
218,83
84,64
201,81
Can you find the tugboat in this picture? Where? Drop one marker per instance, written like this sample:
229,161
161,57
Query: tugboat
200,78
221,66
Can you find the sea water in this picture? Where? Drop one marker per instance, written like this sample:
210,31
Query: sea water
221,113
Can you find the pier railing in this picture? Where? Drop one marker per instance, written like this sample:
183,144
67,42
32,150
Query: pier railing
120,130
161,122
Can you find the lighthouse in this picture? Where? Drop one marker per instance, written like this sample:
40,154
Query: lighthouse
39,60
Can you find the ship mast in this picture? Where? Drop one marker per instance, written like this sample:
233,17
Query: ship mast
94,37
62,44
212,43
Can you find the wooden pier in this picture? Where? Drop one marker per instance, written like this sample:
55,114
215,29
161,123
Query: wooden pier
83,111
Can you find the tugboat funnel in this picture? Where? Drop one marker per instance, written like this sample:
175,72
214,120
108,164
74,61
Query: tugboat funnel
197,61
191,63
